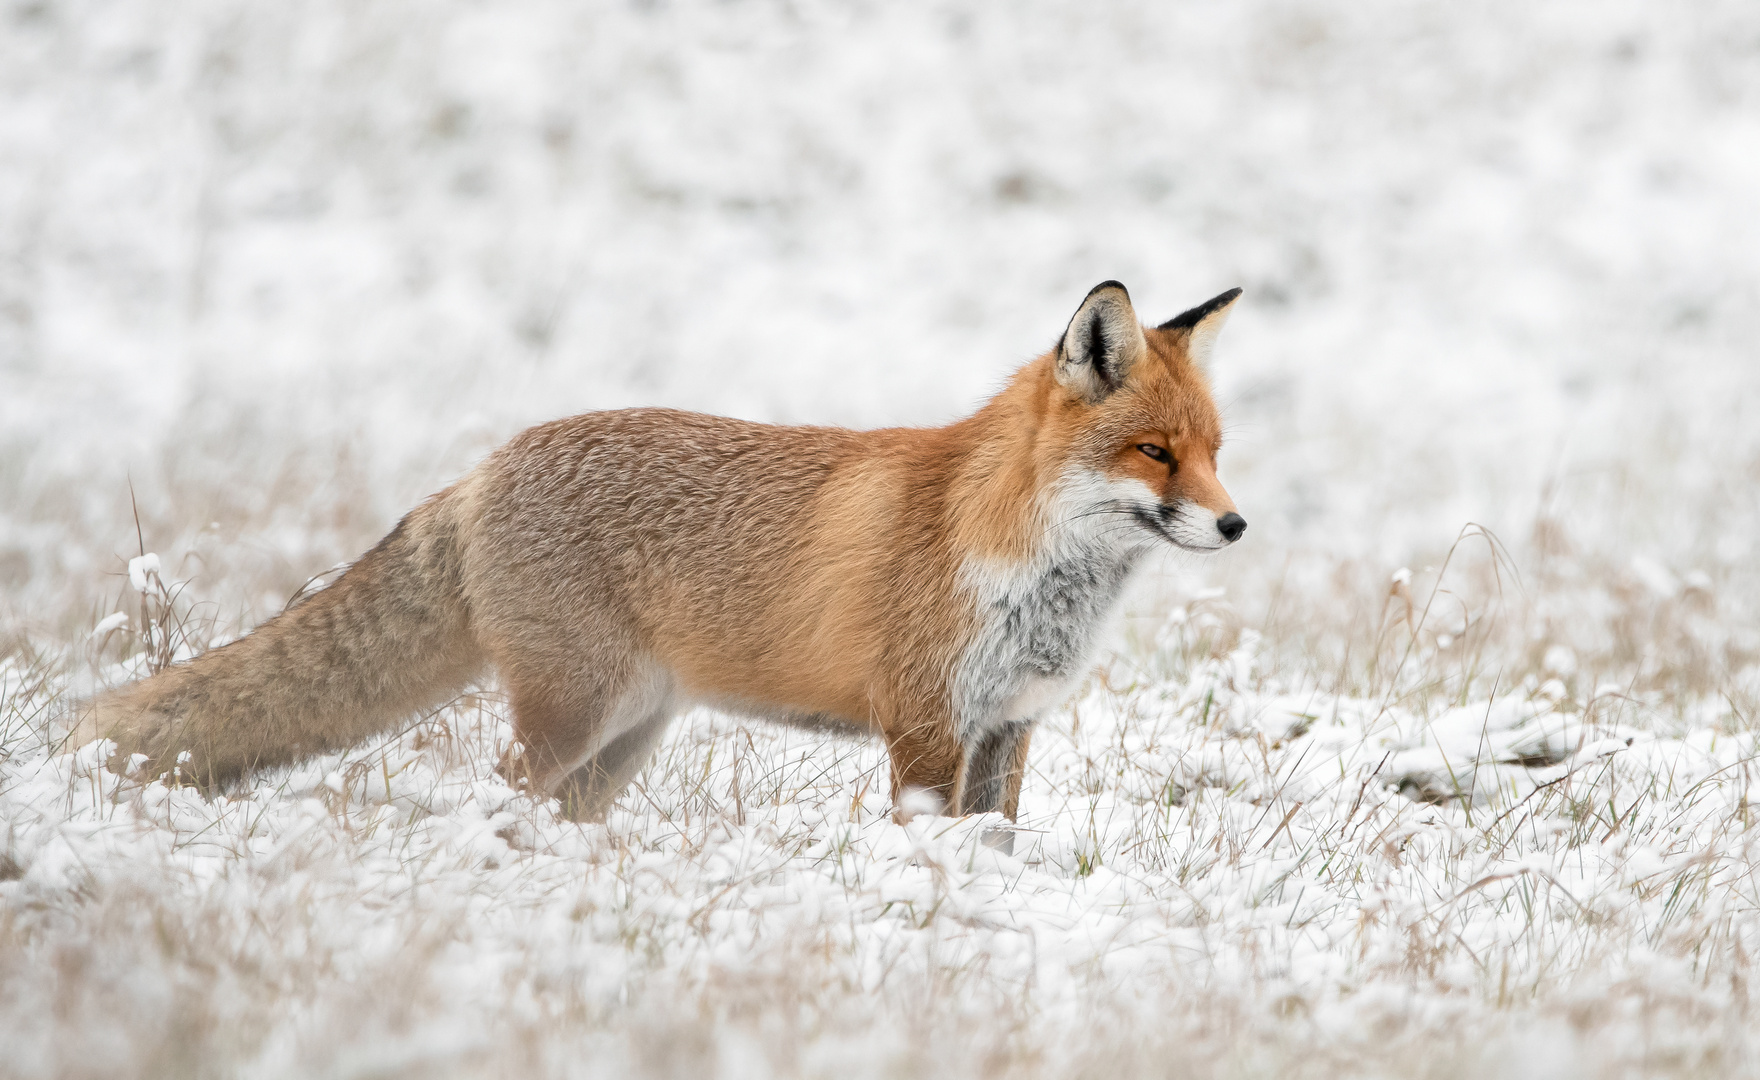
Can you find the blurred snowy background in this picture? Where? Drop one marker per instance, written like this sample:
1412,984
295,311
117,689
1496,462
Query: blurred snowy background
286,269
292,268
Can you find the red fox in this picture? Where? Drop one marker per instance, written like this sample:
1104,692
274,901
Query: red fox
942,587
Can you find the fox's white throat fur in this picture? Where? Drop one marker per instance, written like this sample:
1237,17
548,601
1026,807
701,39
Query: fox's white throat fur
1039,622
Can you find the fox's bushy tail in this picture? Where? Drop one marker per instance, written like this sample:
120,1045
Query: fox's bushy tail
391,636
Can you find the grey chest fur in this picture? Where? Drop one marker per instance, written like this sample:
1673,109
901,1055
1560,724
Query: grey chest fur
1037,628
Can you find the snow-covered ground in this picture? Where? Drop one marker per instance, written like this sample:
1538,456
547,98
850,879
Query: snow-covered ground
1443,771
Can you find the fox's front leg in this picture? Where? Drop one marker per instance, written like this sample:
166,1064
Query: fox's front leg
927,760
994,770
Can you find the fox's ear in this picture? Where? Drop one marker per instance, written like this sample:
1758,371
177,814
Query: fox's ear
1103,342
1205,322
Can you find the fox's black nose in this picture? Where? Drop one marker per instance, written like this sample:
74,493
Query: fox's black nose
1231,525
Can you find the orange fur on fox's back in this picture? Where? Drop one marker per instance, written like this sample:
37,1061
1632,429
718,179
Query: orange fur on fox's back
941,587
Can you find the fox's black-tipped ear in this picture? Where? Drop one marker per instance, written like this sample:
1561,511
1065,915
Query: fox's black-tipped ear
1205,322
1102,343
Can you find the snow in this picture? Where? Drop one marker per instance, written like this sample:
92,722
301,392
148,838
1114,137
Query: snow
1443,770
1164,864
142,569
113,621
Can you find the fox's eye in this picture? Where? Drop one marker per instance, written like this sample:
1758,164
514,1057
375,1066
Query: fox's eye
1155,453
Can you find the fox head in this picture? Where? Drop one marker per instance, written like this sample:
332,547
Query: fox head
1138,423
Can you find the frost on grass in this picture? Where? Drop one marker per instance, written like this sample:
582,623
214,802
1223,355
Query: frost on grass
1212,866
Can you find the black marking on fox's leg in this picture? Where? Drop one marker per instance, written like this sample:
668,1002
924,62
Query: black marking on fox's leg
589,792
987,767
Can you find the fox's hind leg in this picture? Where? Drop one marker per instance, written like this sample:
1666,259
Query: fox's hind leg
561,718
588,793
